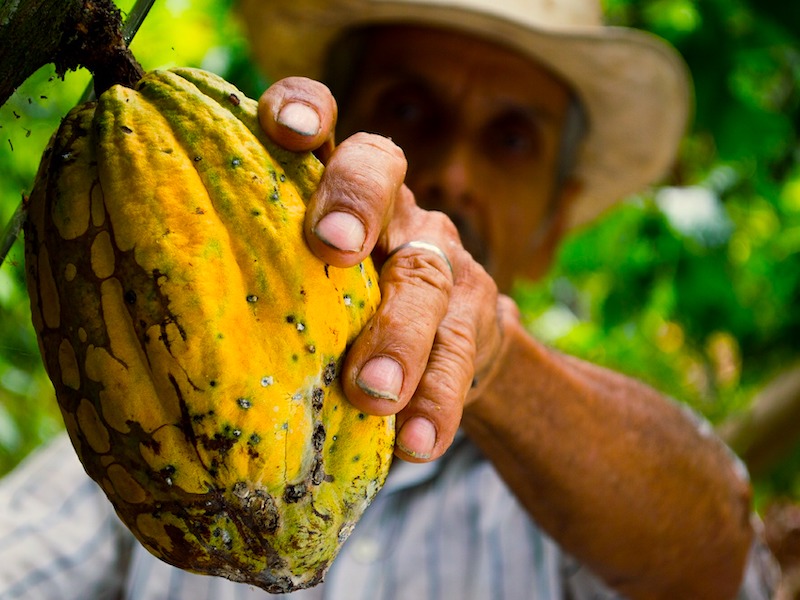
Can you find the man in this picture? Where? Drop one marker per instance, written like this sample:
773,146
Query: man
526,473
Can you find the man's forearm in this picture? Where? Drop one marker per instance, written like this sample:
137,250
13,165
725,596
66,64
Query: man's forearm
616,473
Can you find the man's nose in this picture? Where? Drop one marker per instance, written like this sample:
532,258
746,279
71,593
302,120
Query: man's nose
447,183
444,181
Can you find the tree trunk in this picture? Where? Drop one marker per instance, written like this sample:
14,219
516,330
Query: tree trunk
67,33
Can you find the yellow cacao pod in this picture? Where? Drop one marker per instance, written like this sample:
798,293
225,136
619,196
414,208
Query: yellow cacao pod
193,340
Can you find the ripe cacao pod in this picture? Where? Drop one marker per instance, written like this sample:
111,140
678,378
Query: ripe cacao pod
193,340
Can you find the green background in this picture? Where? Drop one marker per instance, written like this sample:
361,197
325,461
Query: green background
701,303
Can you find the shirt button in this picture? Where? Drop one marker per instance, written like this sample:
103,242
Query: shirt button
365,550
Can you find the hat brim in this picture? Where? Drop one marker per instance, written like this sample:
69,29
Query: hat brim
634,86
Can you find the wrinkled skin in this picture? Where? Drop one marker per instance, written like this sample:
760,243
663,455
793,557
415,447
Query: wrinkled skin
583,448
472,164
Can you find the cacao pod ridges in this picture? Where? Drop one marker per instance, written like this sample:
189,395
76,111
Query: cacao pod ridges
193,340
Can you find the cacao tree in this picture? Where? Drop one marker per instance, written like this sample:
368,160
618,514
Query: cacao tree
702,304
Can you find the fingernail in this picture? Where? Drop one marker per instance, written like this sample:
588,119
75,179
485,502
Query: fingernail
417,437
381,377
300,118
342,231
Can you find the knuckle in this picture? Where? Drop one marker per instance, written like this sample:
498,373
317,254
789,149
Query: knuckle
472,274
371,175
362,189
301,88
486,283
409,323
421,269
371,181
380,143
363,185
442,223
456,342
386,157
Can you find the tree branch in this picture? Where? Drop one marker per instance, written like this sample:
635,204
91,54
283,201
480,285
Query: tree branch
67,33
31,33
770,427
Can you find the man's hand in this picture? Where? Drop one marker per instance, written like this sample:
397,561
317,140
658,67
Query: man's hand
437,328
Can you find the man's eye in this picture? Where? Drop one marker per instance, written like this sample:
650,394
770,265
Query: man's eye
514,138
405,110
402,107
515,141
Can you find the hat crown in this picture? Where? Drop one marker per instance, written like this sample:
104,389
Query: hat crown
548,14
635,87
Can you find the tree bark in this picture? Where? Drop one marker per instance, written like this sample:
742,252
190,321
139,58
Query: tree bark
67,33
31,33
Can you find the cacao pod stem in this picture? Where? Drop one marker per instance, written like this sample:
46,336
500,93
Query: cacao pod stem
131,73
99,45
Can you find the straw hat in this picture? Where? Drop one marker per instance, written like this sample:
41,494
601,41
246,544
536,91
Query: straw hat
634,86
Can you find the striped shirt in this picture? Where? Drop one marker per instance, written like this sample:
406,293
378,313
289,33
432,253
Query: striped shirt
436,531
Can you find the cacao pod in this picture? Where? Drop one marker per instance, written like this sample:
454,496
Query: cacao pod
193,340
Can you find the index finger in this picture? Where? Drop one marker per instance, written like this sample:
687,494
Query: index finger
299,114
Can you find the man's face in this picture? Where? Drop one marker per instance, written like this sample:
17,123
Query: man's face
480,126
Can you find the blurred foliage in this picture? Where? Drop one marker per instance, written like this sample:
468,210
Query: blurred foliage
692,286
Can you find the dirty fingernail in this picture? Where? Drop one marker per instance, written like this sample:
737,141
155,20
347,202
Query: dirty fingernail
300,118
417,437
381,377
342,231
